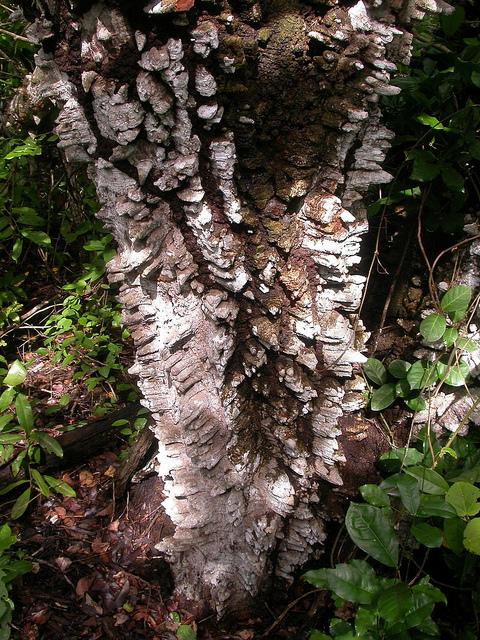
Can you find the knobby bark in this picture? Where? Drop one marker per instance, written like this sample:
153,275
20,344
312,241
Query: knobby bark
231,143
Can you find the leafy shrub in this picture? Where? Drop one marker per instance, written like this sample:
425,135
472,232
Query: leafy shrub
12,565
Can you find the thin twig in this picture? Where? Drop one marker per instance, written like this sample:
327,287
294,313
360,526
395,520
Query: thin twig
15,36
275,624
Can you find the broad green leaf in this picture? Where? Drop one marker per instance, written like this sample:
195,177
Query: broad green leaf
429,480
453,529
375,371
463,496
402,388
60,487
411,457
435,506
453,374
424,597
399,368
452,22
40,482
372,494
185,632
11,486
452,179
16,374
427,535
433,327
6,537
10,438
4,420
394,602
6,398
421,375
471,536
48,443
37,237
371,529
425,166
23,410
456,301
416,404
466,344
383,397
409,492
430,121
21,504
365,621
449,337
17,249
354,581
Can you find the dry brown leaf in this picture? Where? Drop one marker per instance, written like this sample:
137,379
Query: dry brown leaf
83,585
86,479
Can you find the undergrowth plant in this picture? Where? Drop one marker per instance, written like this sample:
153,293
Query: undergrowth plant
21,445
418,381
12,565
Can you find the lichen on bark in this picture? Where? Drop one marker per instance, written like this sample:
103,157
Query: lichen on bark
230,146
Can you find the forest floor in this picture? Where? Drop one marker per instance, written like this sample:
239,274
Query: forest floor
95,578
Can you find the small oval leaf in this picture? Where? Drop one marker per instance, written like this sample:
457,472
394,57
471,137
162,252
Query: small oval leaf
433,327
375,371
383,397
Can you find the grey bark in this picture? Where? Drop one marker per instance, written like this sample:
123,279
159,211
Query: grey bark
231,145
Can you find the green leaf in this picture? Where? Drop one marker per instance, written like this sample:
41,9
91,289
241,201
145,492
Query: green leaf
5,419
449,337
421,375
409,492
433,327
453,529
456,301
425,166
6,538
372,494
48,443
60,487
427,535
430,121
394,602
12,486
375,371
463,496
40,482
399,368
354,581
411,457
416,404
40,238
435,506
16,374
371,529
466,344
452,22
17,249
6,398
452,179
10,438
402,388
185,632
365,621
383,397
453,374
24,413
21,504
424,598
429,480
471,536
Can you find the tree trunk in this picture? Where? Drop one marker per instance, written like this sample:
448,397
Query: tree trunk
230,144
